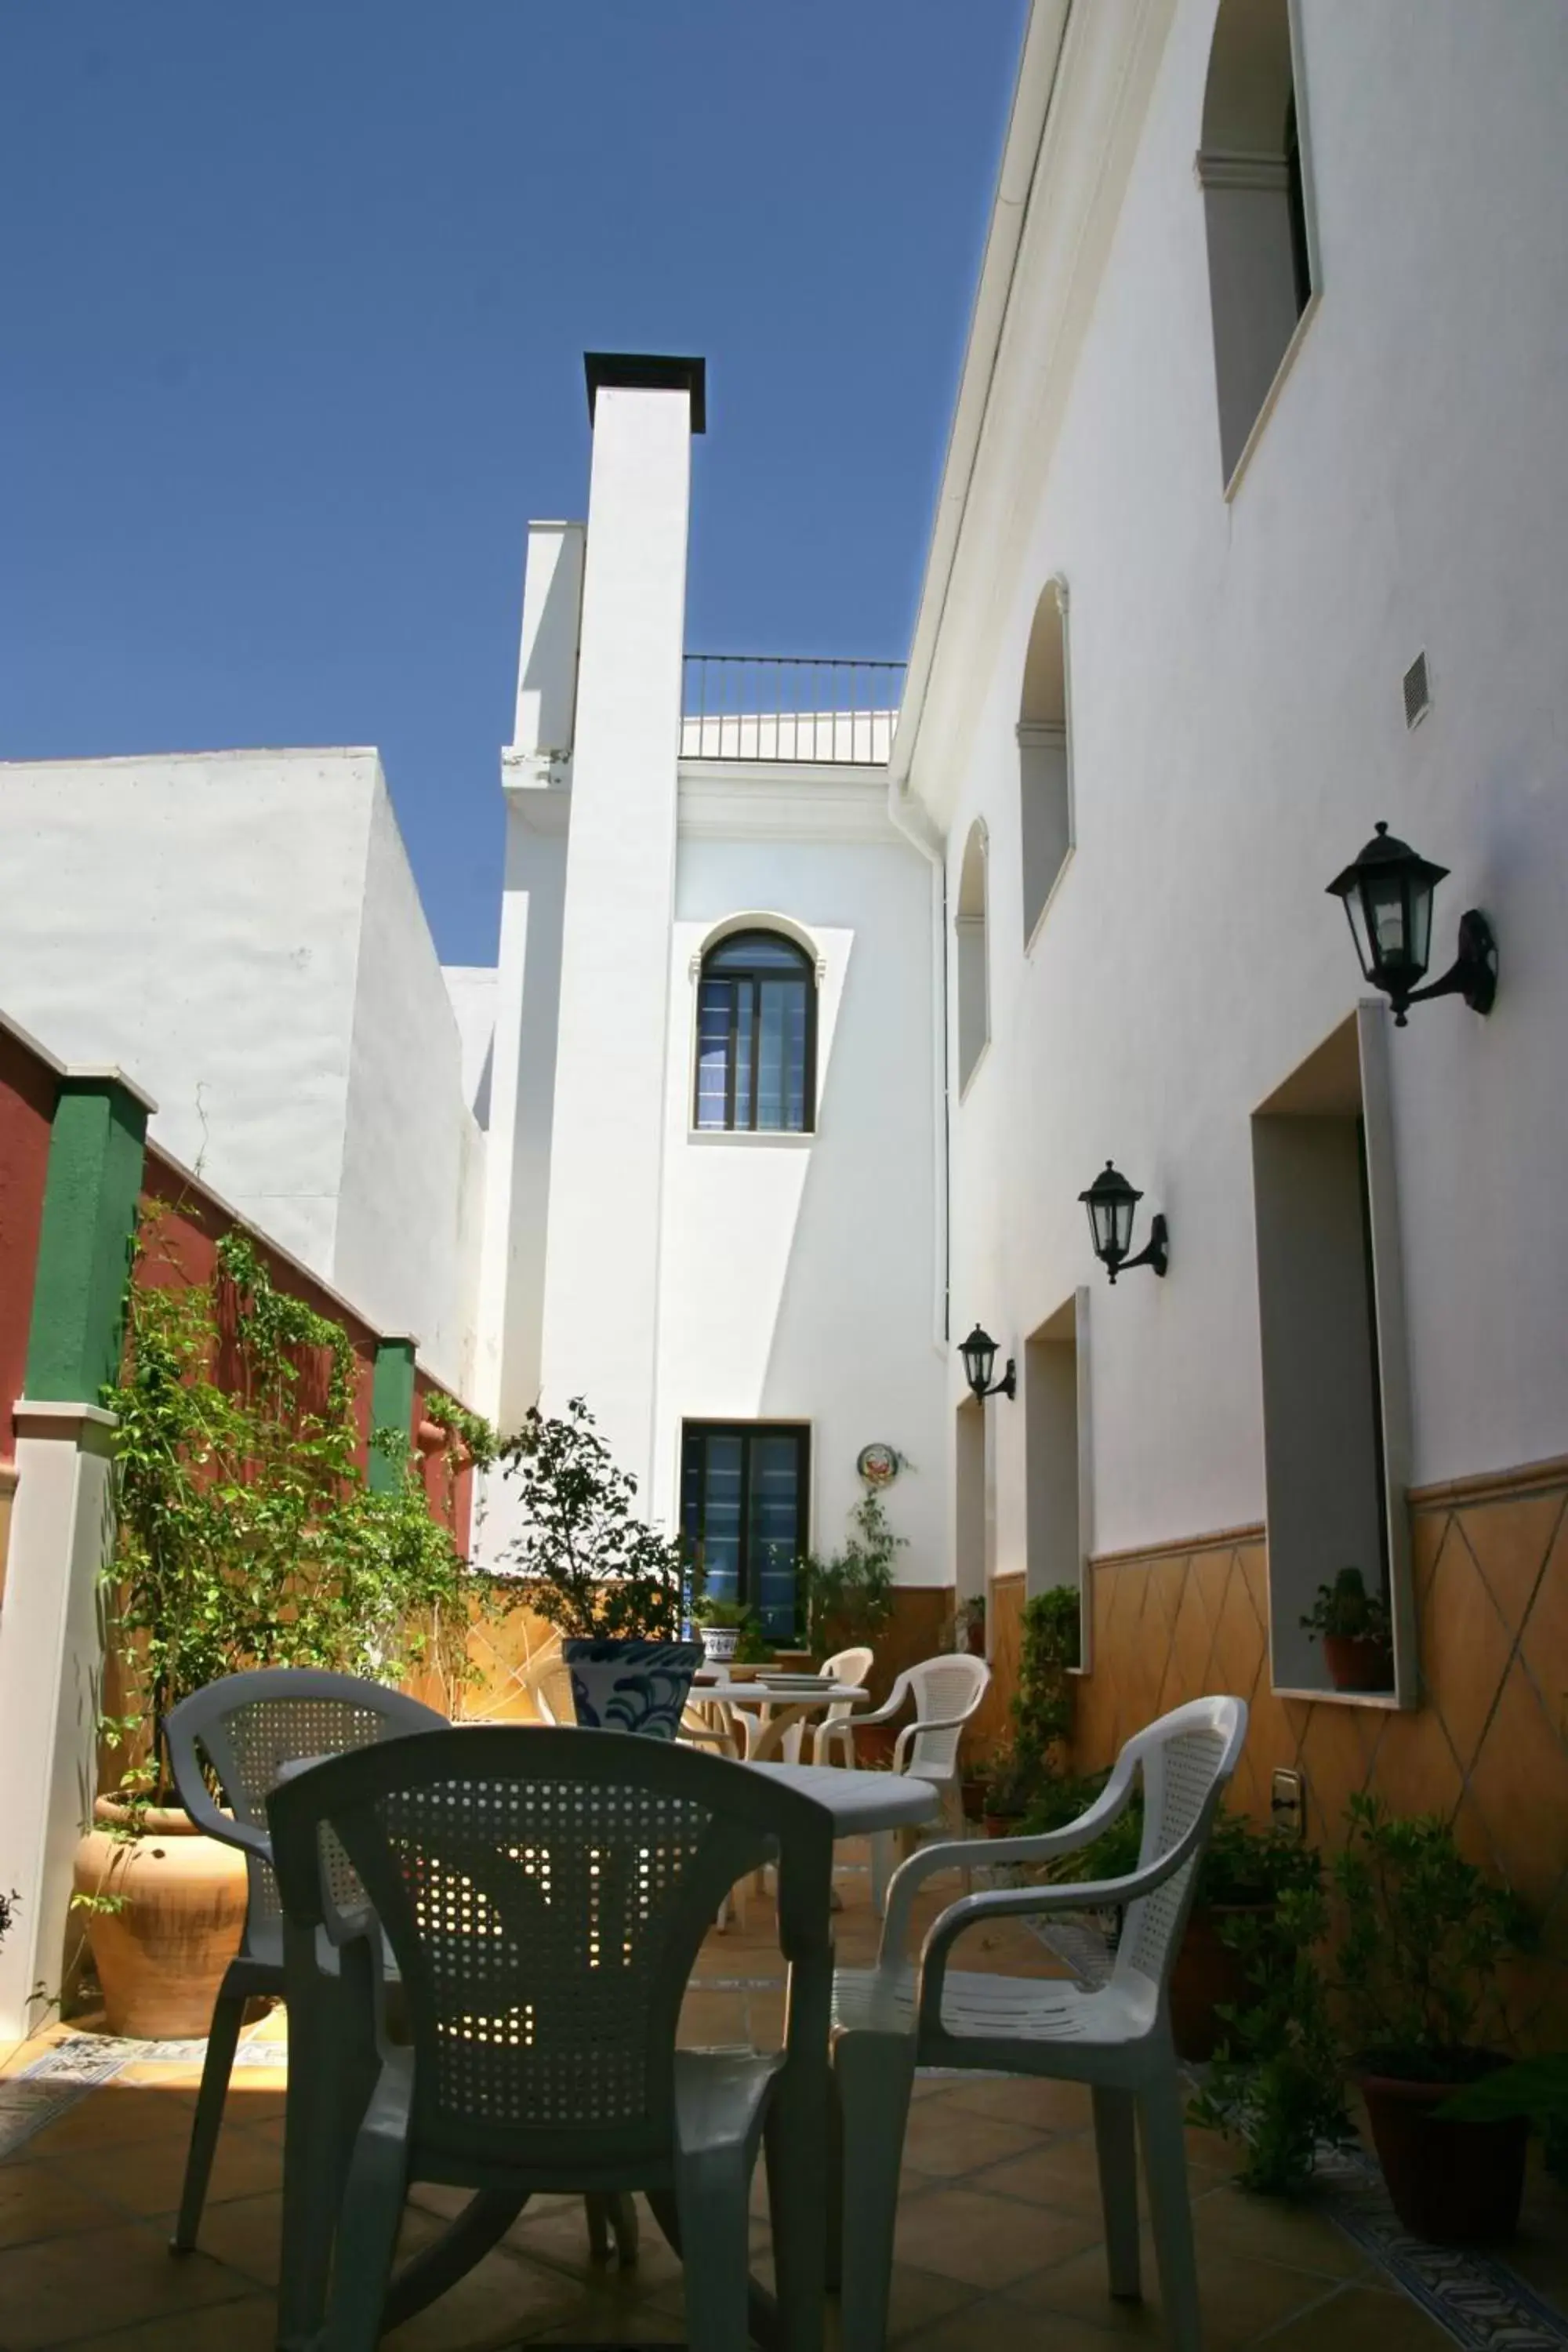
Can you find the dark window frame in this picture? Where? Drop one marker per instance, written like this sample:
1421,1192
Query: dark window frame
734,976
699,1431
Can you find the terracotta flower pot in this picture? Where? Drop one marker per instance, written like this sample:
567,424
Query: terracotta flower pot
1207,1973
973,1793
1456,2183
1356,1664
161,1956
1001,1824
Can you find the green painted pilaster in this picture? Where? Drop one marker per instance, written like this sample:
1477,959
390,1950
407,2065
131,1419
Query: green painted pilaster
391,1407
94,1178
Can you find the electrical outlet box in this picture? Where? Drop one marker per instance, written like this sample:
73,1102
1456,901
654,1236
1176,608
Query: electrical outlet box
1288,1802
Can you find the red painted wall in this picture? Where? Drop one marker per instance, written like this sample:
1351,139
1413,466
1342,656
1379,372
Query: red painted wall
180,1245
27,1090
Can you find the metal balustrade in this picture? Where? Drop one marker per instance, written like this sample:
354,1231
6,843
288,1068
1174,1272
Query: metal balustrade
789,707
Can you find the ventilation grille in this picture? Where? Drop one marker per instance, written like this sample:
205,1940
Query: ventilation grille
1418,692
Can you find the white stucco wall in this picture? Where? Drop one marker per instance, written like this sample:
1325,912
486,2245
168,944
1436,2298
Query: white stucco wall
795,1272
472,990
1238,727
242,929
196,917
410,1213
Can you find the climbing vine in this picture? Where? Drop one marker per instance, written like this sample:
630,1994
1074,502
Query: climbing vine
248,1533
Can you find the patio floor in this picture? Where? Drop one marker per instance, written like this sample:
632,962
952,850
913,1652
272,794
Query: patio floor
999,2236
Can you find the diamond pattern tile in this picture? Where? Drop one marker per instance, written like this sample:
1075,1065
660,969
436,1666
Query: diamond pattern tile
1465,1644
1510,1540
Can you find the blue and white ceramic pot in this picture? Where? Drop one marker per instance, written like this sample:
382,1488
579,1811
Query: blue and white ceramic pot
632,1686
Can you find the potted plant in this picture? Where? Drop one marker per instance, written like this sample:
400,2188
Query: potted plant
1357,1635
1034,1758
1244,1874
1008,1790
611,1585
247,1535
1534,2088
969,1625
1277,2080
846,1597
1423,1934
721,1625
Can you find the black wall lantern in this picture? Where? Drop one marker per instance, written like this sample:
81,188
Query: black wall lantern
1387,896
1110,1201
979,1353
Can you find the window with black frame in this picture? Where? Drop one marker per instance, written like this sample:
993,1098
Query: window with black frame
743,1492
756,1036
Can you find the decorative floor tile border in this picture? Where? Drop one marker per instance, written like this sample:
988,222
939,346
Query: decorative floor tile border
1478,2299
41,2092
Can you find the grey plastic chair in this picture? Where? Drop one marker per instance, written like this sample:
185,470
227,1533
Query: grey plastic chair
889,2019
545,1896
249,1726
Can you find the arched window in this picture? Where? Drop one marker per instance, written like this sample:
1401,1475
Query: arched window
973,984
756,1035
1261,265
1045,771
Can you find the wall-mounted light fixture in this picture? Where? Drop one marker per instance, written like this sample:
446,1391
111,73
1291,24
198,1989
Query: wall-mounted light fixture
979,1353
1387,897
1110,1201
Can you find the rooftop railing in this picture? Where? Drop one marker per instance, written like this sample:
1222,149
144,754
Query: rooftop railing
789,707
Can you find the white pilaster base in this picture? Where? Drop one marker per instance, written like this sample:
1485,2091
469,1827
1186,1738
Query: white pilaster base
62,1531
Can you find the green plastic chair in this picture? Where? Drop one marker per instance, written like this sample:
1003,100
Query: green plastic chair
249,1728
544,1895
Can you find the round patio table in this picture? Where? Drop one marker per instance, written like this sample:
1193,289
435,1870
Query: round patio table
775,1709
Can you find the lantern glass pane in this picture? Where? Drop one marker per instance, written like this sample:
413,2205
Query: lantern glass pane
1420,948
1356,913
1386,920
1123,1217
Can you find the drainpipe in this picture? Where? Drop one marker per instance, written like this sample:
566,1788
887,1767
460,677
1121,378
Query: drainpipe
910,818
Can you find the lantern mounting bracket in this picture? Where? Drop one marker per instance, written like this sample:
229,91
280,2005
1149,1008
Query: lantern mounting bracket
1155,1252
1472,974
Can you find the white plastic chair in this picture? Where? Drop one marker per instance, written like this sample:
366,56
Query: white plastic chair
889,2019
547,1679
946,1691
545,1895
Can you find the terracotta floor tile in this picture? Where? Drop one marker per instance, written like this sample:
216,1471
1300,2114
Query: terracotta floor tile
1362,2319
250,2325
501,2302
986,2326
1061,2172
916,2298
1241,2298
946,2139
983,2242
1299,2233
86,2286
36,2200
1027,2099
115,2117
244,2232
244,2165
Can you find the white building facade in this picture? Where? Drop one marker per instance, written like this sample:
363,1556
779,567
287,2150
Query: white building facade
715,1151
821,999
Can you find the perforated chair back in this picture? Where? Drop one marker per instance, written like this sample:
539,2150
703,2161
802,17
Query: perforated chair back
547,1679
1186,1760
545,1897
249,1726
946,1692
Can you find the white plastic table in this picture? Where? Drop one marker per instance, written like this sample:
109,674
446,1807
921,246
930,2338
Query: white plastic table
861,1803
772,1711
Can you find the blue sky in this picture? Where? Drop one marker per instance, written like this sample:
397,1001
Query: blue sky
294,303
